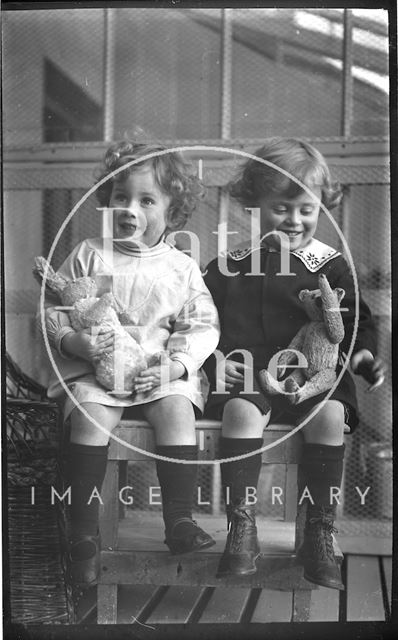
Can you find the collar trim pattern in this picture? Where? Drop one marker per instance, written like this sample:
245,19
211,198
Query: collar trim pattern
313,256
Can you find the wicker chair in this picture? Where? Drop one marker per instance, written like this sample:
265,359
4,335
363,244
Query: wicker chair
37,587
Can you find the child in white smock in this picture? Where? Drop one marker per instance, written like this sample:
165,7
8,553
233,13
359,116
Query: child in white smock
164,303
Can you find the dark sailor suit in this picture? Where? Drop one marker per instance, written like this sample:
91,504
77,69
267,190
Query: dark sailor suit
260,310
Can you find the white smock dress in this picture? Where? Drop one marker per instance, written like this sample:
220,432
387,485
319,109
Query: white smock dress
164,304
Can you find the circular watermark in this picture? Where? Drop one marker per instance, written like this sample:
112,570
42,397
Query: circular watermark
202,148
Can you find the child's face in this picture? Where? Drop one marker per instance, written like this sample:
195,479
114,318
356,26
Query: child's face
297,217
146,218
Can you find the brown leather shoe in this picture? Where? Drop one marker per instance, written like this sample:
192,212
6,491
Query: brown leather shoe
242,548
84,561
186,536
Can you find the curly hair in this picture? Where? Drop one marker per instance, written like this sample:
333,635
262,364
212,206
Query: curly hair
296,158
172,174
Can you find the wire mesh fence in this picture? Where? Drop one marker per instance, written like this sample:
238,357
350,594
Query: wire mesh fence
172,75
230,77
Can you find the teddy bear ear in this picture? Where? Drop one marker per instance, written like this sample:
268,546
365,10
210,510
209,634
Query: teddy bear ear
303,294
340,293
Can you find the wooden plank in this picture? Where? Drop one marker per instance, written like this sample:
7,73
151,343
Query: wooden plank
176,606
324,605
52,153
273,606
132,602
144,531
225,605
107,603
109,512
143,439
371,545
301,605
198,569
364,594
290,494
204,424
139,433
387,568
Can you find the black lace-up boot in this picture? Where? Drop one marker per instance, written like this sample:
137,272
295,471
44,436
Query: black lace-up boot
320,470
317,553
85,468
242,548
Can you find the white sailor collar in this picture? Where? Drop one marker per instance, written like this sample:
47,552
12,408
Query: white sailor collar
314,255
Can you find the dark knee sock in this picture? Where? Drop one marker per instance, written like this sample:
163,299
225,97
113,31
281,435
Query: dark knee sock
177,481
84,471
242,473
321,468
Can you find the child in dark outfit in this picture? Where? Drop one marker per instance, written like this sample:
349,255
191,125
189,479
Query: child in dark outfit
260,313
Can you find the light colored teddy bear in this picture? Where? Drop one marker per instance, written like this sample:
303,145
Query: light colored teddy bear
318,341
114,370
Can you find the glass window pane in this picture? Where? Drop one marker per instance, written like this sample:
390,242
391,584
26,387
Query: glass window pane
167,73
370,72
53,75
283,84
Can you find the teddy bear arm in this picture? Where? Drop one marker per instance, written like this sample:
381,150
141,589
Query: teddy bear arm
297,377
288,356
320,382
334,326
268,384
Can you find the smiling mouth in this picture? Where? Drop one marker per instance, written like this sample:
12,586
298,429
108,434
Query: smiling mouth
128,227
291,233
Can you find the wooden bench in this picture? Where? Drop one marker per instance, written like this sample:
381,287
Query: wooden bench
133,551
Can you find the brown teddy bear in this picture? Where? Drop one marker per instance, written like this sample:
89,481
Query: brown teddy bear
318,341
115,370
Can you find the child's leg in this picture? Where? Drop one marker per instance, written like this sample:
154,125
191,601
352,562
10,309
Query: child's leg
173,419
85,467
242,431
322,468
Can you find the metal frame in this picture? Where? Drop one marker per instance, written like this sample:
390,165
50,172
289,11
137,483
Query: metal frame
109,74
347,97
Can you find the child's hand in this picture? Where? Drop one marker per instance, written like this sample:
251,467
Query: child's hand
234,373
89,344
157,375
371,369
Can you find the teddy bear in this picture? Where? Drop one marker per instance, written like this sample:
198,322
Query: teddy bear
114,370
318,341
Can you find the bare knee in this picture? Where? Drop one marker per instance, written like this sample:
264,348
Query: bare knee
173,419
91,424
243,419
327,425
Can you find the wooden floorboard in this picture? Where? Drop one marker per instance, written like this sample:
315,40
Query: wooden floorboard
387,567
324,606
273,606
367,598
225,605
301,605
176,606
364,592
132,601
